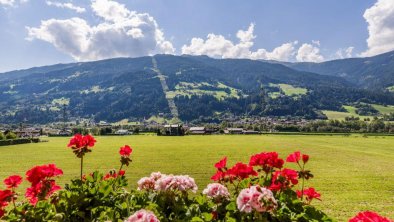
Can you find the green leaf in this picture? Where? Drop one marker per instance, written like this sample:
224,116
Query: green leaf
207,216
197,219
231,206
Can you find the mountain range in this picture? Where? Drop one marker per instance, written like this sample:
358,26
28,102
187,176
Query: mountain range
192,88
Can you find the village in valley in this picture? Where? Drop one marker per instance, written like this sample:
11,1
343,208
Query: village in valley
232,125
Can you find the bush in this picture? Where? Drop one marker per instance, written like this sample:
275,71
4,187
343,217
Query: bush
10,136
2,137
261,190
9,142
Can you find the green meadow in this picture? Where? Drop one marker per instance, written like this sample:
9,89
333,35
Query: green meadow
353,173
351,111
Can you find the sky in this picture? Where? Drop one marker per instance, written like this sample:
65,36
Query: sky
45,32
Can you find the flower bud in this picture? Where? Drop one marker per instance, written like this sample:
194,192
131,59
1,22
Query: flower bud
305,158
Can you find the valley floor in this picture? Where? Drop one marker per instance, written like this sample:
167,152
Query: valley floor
353,173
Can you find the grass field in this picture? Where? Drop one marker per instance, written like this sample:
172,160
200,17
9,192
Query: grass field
352,173
383,109
290,90
350,111
287,90
190,89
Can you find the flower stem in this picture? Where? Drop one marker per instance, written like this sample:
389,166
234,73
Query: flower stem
13,200
81,167
303,179
121,166
302,189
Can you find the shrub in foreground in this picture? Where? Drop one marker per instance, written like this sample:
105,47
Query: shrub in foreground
261,190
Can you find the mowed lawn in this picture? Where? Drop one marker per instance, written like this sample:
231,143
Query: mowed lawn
352,173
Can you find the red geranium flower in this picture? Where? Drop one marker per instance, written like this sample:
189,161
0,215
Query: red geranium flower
241,171
81,144
40,173
219,175
42,183
369,216
13,181
283,179
310,194
294,157
5,197
221,164
79,141
125,151
121,172
267,160
41,191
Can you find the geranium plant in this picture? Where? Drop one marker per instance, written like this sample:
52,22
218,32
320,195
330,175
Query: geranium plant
261,190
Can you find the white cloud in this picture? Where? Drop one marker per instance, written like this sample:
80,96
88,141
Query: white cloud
344,53
380,19
309,53
7,2
281,53
122,33
67,6
316,42
11,3
219,46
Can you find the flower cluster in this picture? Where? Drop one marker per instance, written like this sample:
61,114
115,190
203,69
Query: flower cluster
13,181
112,174
239,171
176,183
256,198
42,183
125,153
142,216
5,197
148,183
267,161
163,182
369,216
296,157
309,193
284,179
217,192
81,144
9,194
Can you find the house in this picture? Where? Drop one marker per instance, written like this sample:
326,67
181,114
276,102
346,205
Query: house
233,131
123,132
173,130
28,132
65,132
250,132
104,124
197,130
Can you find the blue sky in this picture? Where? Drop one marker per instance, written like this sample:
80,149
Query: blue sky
40,32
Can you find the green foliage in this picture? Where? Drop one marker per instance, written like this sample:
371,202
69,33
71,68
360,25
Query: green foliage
10,136
94,198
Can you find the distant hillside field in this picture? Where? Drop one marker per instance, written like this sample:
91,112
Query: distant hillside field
351,111
353,173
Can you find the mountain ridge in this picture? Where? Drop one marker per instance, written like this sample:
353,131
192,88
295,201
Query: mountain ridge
202,88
